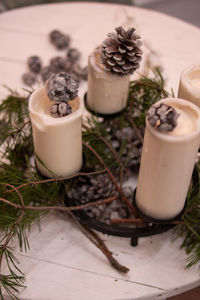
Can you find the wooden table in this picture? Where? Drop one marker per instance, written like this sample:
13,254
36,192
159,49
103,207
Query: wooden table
62,264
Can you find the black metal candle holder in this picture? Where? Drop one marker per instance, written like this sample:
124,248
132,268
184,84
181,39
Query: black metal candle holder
154,227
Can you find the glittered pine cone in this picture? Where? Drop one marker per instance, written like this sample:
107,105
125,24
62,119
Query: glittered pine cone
60,109
163,117
120,52
92,188
61,87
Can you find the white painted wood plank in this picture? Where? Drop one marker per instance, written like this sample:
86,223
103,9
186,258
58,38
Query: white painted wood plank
156,262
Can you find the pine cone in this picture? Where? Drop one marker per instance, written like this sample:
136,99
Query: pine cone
163,117
120,52
92,189
59,40
60,109
34,64
29,78
61,87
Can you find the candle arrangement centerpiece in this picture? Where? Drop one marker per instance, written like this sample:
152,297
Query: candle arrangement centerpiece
109,70
112,149
56,117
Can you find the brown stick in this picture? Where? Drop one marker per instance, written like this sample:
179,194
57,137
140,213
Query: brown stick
59,208
125,199
98,242
17,192
112,150
56,179
137,131
123,221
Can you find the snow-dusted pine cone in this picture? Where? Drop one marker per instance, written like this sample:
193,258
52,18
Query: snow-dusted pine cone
120,52
29,78
34,64
163,117
61,87
60,109
92,189
59,39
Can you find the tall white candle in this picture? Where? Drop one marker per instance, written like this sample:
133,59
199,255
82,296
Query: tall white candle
57,141
167,162
107,93
189,85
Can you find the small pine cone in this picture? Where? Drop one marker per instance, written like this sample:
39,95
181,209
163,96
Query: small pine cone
81,72
92,188
46,73
61,87
29,78
59,40
34,64
60,109
163,117
120,52
73,55
57,64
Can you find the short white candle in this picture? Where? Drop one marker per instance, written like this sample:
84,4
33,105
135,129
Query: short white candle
167,163
57,141
107,92
189,85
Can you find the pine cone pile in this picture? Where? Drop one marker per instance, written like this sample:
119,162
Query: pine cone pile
163,117
120,52
95,188
69,63
126,139
61,87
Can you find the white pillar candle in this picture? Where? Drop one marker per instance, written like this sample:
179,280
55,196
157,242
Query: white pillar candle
167,163
57,141
107,93
189,85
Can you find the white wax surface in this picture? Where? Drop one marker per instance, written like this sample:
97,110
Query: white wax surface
57,141
186,121
189,85
107,93
167,163
195,82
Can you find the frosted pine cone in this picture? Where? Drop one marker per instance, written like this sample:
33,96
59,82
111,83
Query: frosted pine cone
59,40
120,52
61,87
34,64
60,109
163,117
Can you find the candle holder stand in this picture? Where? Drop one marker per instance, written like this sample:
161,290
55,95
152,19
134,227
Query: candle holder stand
154,227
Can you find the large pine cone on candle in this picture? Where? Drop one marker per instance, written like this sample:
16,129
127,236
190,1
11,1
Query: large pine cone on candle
120,52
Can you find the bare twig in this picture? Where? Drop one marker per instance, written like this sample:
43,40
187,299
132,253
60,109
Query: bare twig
123,221
137,131
59,208
57,179
98,242
112,150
